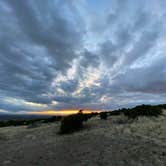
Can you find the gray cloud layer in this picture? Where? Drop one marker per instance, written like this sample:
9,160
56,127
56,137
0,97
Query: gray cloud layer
77,54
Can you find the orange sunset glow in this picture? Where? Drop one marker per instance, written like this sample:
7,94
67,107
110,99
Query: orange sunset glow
61,112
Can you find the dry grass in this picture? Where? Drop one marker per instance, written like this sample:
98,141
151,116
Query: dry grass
116,141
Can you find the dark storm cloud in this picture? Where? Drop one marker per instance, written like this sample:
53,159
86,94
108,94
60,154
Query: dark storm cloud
109,52
69,86
59,54
43,44
89,59
48,29
146,82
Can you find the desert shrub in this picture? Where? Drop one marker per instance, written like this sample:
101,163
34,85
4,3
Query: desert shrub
143,110
72,123
162,106
114,113
117,112
88,116
93,114
103,115
51,119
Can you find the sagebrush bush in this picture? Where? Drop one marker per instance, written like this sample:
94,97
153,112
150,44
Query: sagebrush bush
73,122
114,113
103,115
143,110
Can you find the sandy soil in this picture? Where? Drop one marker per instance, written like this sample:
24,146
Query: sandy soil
114,142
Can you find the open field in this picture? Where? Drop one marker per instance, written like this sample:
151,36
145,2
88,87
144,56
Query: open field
112,142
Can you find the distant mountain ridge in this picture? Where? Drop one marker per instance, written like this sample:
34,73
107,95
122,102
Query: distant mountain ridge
21,117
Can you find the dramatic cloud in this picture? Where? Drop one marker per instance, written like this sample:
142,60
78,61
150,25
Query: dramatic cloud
62,54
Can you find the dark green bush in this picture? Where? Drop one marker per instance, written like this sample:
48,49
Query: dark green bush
143,110
52,119
114,113
103,115
73,123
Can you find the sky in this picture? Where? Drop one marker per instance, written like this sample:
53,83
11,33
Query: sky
81,54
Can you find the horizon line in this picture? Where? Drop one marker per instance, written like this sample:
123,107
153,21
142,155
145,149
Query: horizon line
52,112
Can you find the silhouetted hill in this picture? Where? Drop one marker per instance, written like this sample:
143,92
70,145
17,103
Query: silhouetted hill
21,117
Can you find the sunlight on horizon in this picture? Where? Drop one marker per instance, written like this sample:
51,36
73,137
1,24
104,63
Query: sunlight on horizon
62,112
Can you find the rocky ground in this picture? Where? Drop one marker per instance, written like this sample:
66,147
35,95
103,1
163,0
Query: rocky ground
112,142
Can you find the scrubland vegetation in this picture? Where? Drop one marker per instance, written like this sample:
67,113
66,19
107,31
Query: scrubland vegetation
5,123
118,140
142,110
74,122
103,115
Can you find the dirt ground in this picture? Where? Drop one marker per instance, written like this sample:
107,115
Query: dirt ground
112,142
